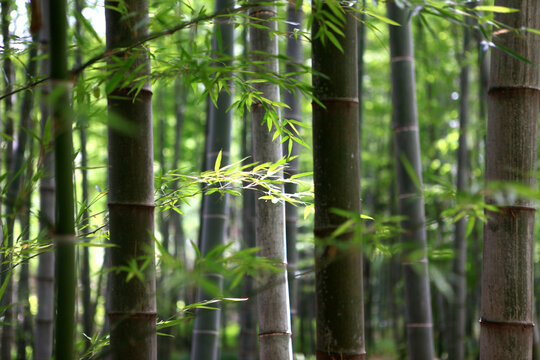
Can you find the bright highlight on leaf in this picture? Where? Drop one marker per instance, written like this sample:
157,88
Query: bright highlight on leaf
534,31
218,161
497,9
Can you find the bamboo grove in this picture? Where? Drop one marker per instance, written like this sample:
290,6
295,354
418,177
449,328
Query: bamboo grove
269,179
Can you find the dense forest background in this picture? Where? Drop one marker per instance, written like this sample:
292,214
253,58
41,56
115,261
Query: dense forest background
270,180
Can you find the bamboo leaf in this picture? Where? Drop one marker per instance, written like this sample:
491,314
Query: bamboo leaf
114,81
196,248
330,18
336,9
440,281
277,164
5,283
217,165
235,299
236,280
97,245
512,53
261,166
335,29
289,147
497,9
308,210
86,24
169,323
343,228
304,174
534,31
334,40
411,172
470,226
382,18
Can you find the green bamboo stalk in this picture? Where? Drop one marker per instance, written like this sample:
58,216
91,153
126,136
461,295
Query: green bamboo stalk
86,292
172,224
273,301
394,266
165,304
162,145
45,275
362,39
8,76
63,155
132,306
336,154
247,342
178,293
409,178
180,100
477,161
294,51
214,219
368,289
458,320
24,331
177,223
6,338
27,124
483,63
14,200
506,317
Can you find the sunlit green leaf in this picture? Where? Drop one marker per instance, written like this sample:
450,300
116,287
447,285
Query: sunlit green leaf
493,8
382,18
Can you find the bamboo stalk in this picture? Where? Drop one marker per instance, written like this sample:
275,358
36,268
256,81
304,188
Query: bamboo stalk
43,346
295,54
214,218
64,235
132,306
409,177
336,165
273,300
511,152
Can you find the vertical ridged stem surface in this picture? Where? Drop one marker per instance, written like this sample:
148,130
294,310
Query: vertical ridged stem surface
273,297
247,343
511,151
410,193
45,273
336,166
459,310
295,54
63,158
86,292
6,338
15,199
132,306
